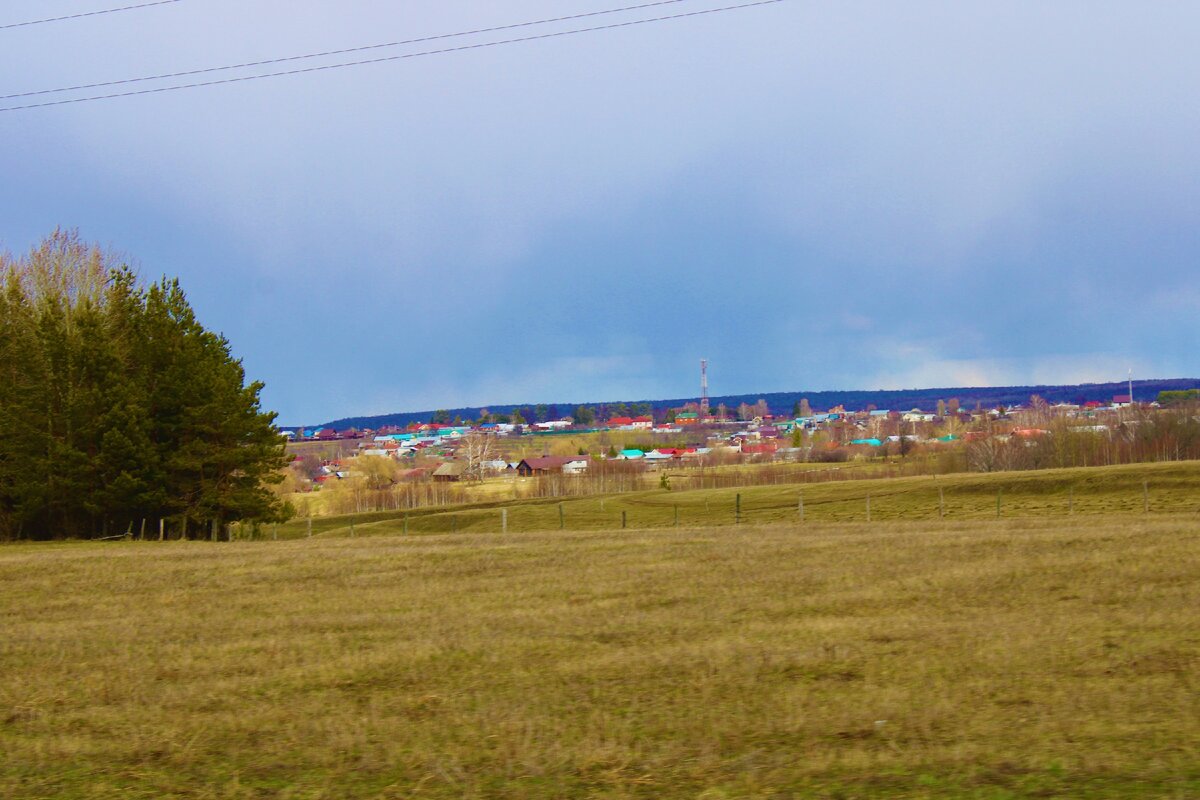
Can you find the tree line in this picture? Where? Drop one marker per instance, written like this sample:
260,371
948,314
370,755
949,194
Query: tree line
118,409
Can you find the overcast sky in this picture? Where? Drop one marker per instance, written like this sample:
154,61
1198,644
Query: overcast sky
848,195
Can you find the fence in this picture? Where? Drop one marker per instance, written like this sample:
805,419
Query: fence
797,504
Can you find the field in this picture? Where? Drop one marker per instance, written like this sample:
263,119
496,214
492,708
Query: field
973,658
1169,487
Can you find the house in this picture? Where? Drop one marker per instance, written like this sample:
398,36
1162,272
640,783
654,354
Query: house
659,456
546,465
687,418
631,454
554,424
450,472
576,465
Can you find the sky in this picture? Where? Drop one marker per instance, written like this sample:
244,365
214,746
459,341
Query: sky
855,195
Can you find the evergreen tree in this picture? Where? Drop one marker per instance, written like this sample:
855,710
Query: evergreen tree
119,407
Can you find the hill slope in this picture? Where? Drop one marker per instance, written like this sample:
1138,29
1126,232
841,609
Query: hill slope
783,402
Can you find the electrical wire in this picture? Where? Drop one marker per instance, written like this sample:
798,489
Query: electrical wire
328,53
384,59
83,14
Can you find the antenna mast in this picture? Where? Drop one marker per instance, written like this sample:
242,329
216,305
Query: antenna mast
704,387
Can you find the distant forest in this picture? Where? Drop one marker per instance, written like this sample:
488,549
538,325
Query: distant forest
782,403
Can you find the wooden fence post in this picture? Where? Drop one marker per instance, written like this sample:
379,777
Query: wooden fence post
868,507
801,507
737,513
504,520
941,503
1070,501
999,492
623,520
1145,497
162,529
310,527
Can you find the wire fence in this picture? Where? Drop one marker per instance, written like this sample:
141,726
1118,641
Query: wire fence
796,505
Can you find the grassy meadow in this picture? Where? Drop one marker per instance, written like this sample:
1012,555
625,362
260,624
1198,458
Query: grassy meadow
1168,487
965,658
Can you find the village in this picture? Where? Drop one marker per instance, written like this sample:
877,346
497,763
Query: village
696,436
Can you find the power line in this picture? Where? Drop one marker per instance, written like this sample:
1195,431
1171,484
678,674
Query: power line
327,53
85,14
384,59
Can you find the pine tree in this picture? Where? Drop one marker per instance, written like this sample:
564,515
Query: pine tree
119,406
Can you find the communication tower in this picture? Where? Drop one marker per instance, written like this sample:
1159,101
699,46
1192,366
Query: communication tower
704,387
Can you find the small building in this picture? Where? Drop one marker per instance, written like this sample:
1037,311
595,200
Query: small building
659,456
547,465
450,472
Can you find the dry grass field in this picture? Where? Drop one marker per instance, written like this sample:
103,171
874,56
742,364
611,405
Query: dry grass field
977,658
1100,493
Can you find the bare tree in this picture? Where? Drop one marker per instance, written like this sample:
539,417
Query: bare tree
475,450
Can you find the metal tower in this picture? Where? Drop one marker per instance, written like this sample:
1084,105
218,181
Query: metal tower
704,387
